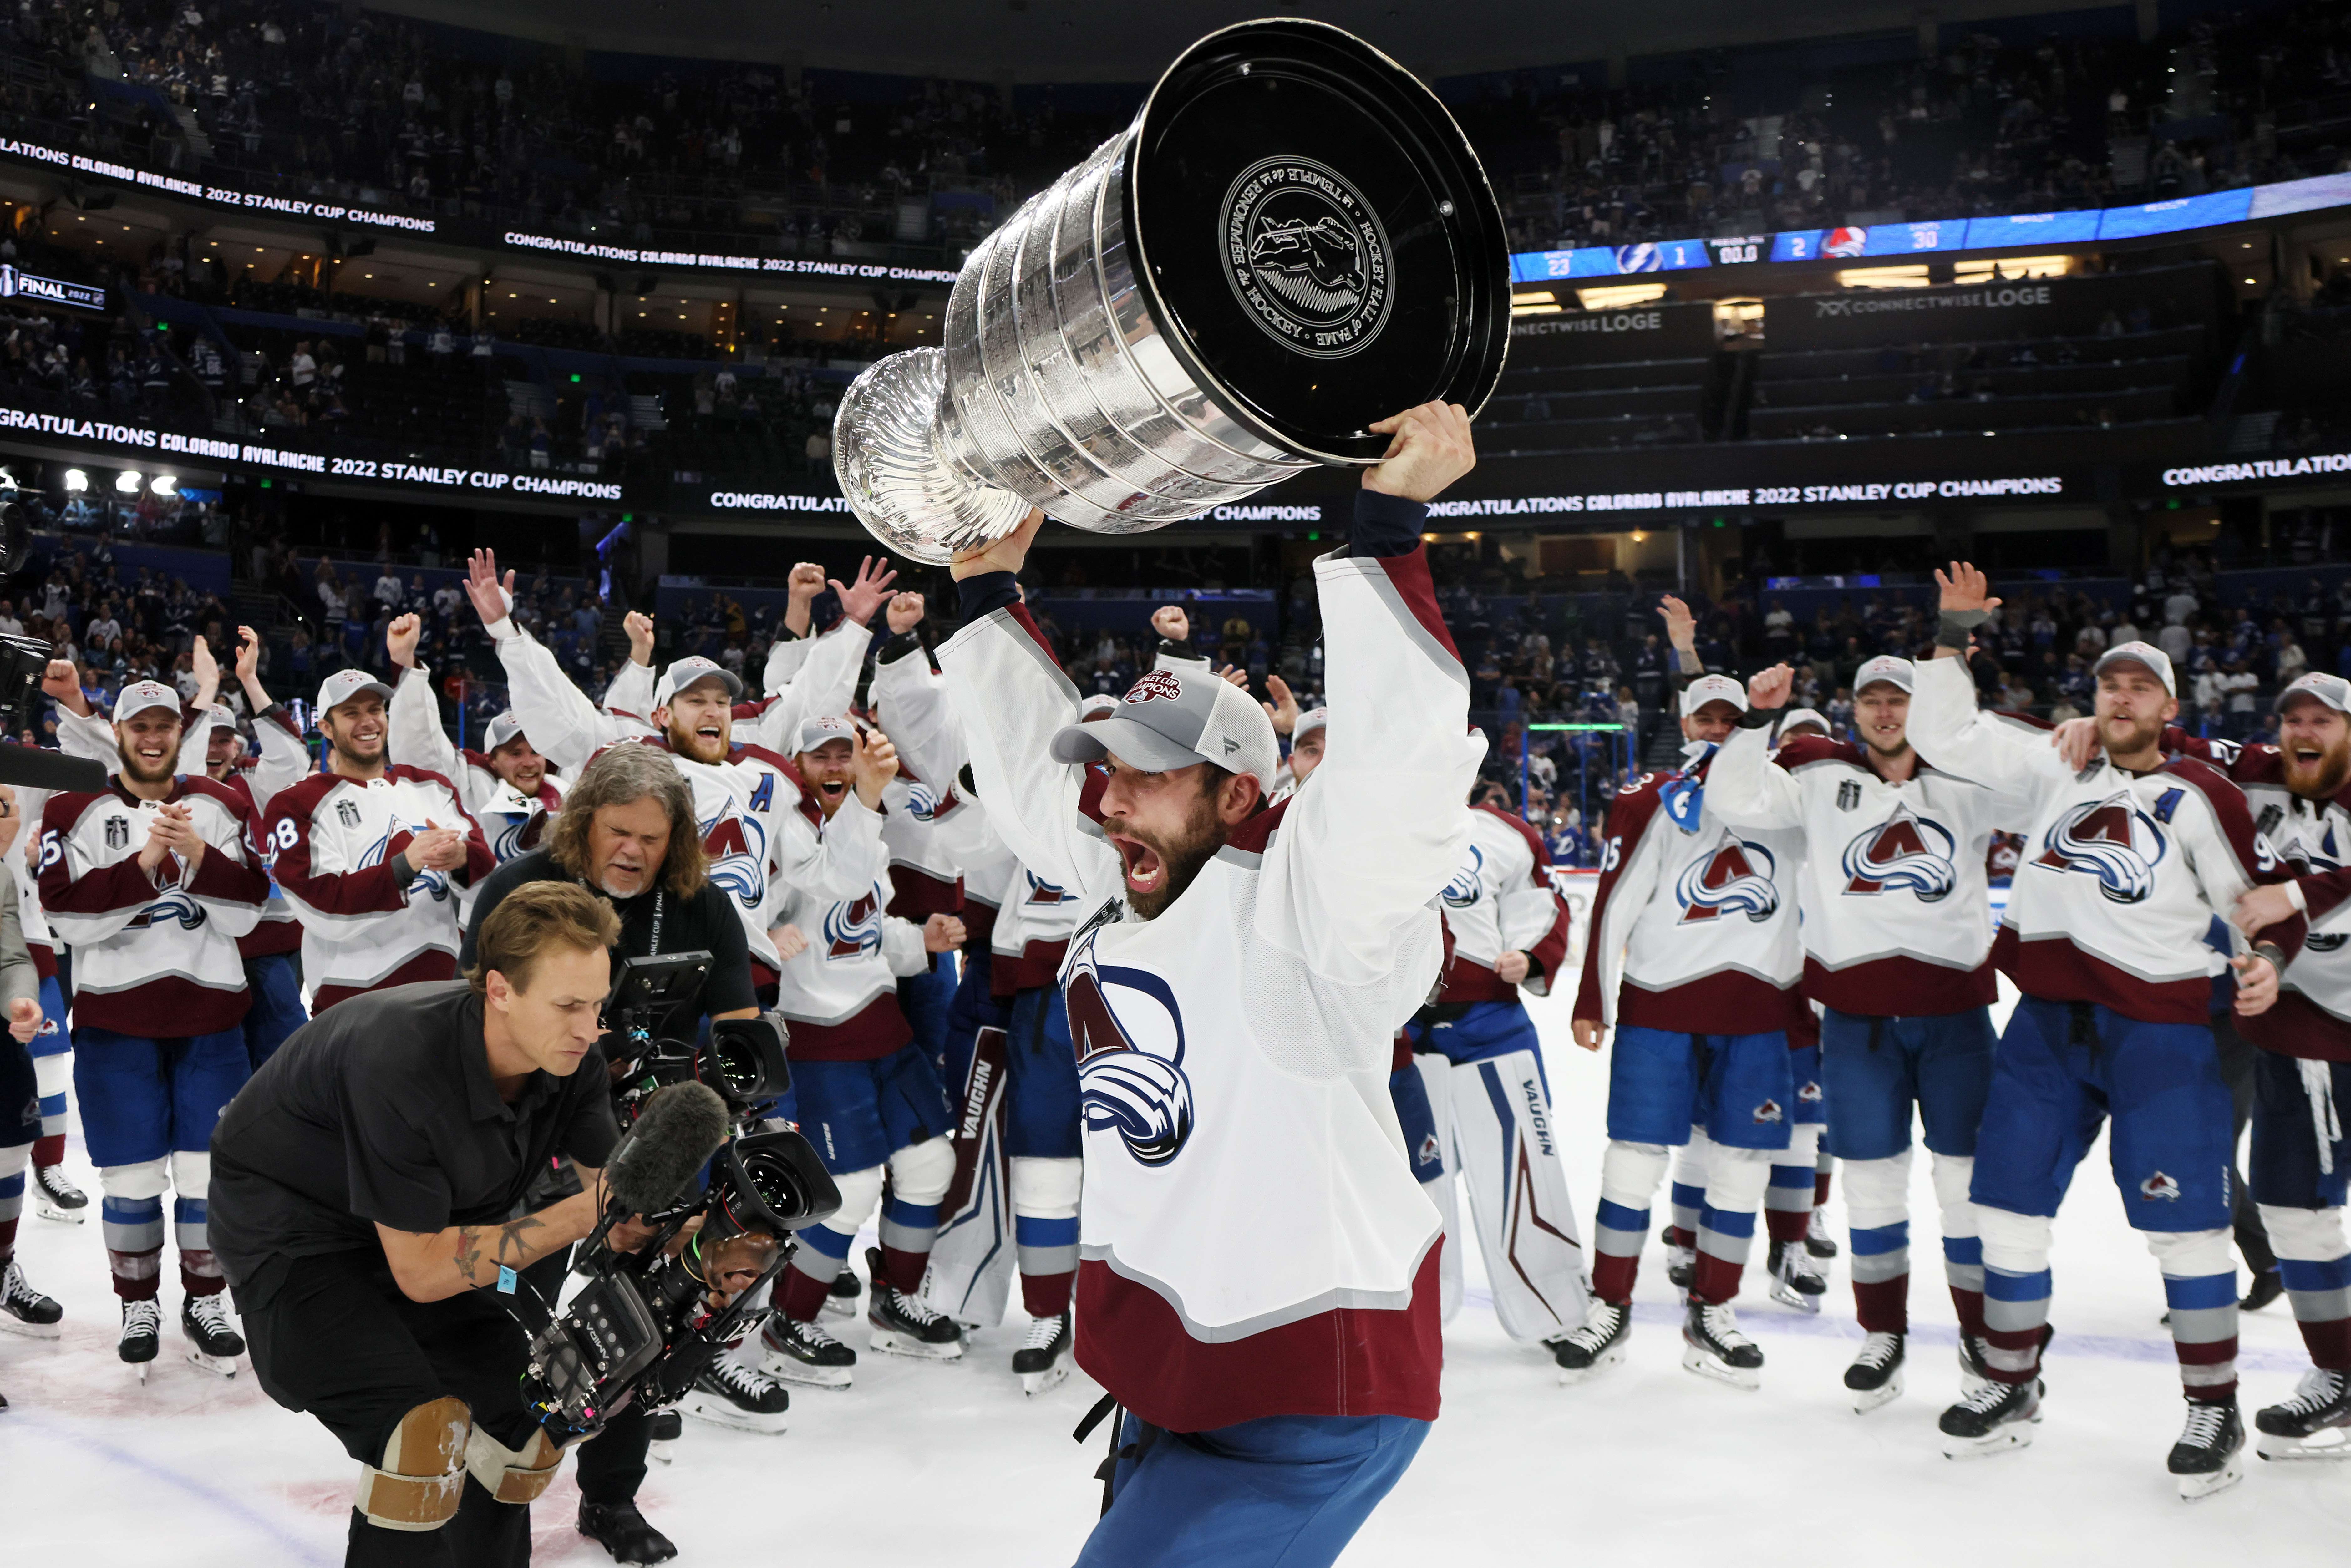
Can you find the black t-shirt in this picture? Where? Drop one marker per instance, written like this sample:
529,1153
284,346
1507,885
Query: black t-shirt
706,923
381,1111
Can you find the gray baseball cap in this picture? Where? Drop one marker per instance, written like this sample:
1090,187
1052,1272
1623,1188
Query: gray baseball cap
138,697
344,685
2157,661
688,672
500,730
1169,720
1309,721
1798,718
2331,690
817,730
1886,668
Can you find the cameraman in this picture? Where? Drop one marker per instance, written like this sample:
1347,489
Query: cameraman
627,832
368,1184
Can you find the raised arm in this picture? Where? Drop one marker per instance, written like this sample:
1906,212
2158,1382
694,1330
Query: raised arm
1744,785
911,701
1946,726
412,733
632,691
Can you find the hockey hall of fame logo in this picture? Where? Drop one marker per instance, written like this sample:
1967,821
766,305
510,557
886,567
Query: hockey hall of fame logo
1307,257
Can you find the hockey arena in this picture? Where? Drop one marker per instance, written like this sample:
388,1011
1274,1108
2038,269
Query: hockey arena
1177,786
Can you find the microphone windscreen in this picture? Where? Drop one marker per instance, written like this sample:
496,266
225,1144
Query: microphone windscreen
675,1133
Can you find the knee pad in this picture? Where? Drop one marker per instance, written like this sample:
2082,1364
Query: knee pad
15,1157
2192,1254
921,1172
1952,1175
1046,1189
422,1475
145,1179
1735,1179
1803,1145
1877,1192
860,1191
2013,1243
2305,1235
513,1474
192,1172
1630,1174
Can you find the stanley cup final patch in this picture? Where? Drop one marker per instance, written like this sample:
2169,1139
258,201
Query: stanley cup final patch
1307,257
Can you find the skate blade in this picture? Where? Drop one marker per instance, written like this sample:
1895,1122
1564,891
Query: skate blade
62,1216
218,1365
784,1369
141,1368
720,1413
2270,1447
891,1341
1746,1379
2194,1488
1032,1384
1569,1376
660,1453
31,1331
838,1307
1788,1296
2015,1435
1865,1400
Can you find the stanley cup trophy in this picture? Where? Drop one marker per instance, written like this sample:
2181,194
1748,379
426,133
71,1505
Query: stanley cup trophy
1292,241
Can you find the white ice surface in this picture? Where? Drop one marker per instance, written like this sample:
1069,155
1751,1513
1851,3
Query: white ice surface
1647,1465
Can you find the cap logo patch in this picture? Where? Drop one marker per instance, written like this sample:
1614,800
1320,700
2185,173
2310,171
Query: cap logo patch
1159,685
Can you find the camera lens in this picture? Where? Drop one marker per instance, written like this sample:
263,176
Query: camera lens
737,1067
775,1184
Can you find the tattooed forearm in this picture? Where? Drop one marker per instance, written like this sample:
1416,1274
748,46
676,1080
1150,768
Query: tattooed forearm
469,1254
513,1252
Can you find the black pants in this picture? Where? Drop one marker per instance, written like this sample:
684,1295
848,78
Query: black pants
2237,1058
611,1466
334,1336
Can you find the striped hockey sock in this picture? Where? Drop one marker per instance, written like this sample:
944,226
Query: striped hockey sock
907,1232
12,1198
1048,1253
1629,1175
1788,1200
822,1253
2016,1309
2204,1333
1726,1224
1824,1166
2314,1266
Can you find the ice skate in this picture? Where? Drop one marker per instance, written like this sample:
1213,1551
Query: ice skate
1817,1237
24,1310
1794,1281
54,1198
623,1532
668,1427
1043,1362
907,1325
803,1352
1875,1377
2211,1454
1681,1257
840,1301
213,1343
1994,1417
1975,1368
729,1394
143,1327
2315,1424
1598,1346
1713,1348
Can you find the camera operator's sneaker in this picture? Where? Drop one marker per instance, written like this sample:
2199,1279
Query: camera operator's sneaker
906,1325
729,1394
803,1352
54,1198
620,1530
840,1301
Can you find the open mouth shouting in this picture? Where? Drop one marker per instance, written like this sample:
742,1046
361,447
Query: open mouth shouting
831,792
1145,869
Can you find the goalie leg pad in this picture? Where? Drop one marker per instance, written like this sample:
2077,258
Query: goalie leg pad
1518,1199
513,1474
1437,1079
422,1475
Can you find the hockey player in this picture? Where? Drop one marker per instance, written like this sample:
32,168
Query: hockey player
54,1196
1260,1271
923,877
869,1096
150,882
23,1309
1693,944
505,785
1896,916
372,854
2126,863
1485,1083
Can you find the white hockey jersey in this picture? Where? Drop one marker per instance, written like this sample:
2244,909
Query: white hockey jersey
1694,922
1252,1240
512,822
839,993
334,844
154,956
2121,873
1502,900
1897,911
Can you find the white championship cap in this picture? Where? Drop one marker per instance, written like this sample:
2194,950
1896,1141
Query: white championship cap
500,730
1312,719
688,672
2331,690
1712,689
1887,668
218,716
1096,705
344,685
140,695
1800,717
2146,654
822,728
1169,720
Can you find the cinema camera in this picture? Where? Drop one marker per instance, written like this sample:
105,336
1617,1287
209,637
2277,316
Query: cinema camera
725,1203
23,661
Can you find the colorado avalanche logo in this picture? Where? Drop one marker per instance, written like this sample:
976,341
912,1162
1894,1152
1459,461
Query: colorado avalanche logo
1735,878
921,804
1159,685
737,848
2159,1185
2112,840
507,844
853,928
172,907
1905,850
1041,891
1467,883
1129,1037
425,884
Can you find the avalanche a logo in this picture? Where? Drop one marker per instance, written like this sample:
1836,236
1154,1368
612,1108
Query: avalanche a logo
1467,885
853,928
1306,256
2159,1185
1905,850
1042,892
1129,1037
738,847
426,883
2113,839
1733,878
507,844
921,804
173,907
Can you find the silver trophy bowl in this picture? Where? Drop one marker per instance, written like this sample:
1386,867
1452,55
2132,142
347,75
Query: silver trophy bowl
1292,241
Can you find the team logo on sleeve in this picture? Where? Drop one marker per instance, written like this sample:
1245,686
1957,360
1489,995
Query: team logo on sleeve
2113,839
738,847
853,928
1733,878
118,832
348,813
1905,850
1129,1037
1469,883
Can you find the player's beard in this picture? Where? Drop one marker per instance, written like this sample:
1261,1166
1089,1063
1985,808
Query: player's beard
346,747
136,769
2321,779
1182,856
696,748
2140,736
